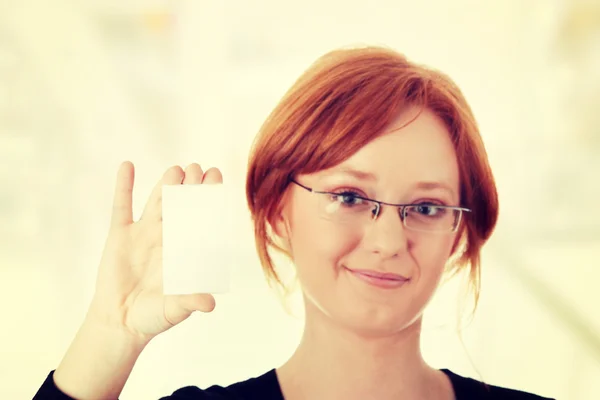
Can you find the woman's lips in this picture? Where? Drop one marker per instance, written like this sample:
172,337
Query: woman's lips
380,279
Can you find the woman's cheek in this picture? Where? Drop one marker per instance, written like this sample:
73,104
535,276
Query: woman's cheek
432,257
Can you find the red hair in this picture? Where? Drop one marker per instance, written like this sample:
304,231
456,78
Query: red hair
341,103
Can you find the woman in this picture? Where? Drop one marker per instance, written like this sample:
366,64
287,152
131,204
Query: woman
372,177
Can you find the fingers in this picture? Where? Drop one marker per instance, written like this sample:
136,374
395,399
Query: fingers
153,209
180,307
193,174
213,175
122,212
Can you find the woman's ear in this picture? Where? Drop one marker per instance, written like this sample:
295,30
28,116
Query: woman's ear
280,226
282,230
281,222
458,239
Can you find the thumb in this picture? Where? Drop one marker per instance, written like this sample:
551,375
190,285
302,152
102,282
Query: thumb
180,307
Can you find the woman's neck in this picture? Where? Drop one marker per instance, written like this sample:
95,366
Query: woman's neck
334,363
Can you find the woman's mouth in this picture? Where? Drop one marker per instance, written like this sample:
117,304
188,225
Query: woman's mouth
385,280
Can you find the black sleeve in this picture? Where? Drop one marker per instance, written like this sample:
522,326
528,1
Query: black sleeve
49,391
211,393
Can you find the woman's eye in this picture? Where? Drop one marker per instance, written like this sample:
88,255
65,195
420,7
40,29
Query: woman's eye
427,209
347,198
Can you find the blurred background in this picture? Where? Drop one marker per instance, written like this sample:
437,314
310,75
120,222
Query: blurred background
87,84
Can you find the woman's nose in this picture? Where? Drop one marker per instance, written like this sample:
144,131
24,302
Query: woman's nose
386,234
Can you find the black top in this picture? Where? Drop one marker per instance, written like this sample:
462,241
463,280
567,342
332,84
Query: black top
266,387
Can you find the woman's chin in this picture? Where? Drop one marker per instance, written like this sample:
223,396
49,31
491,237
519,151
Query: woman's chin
364,318
380,324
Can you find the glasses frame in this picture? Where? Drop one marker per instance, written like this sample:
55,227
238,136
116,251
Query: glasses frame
402,208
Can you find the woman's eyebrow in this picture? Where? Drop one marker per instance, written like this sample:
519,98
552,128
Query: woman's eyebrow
369,176
432,185
355,173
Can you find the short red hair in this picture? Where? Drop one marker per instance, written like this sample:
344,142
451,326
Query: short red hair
341,103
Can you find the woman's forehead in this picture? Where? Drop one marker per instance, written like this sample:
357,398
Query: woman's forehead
421,151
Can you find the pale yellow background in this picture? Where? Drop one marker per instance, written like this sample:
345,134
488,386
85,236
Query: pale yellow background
86,84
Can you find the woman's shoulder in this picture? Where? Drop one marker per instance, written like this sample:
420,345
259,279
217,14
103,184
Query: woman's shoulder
468,388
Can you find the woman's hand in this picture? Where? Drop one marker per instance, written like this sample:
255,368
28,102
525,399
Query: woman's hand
129,292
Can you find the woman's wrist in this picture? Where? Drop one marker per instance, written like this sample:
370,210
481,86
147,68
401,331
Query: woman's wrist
99,361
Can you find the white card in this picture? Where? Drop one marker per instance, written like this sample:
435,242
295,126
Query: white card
197,238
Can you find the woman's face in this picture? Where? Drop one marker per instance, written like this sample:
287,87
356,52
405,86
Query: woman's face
413,164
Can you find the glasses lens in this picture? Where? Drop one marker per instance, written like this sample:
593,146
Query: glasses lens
346,207
430,218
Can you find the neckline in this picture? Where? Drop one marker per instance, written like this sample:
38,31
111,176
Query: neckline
456,381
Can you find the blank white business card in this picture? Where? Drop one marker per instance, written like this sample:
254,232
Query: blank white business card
197,236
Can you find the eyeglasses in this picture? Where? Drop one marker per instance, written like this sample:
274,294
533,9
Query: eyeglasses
348,207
